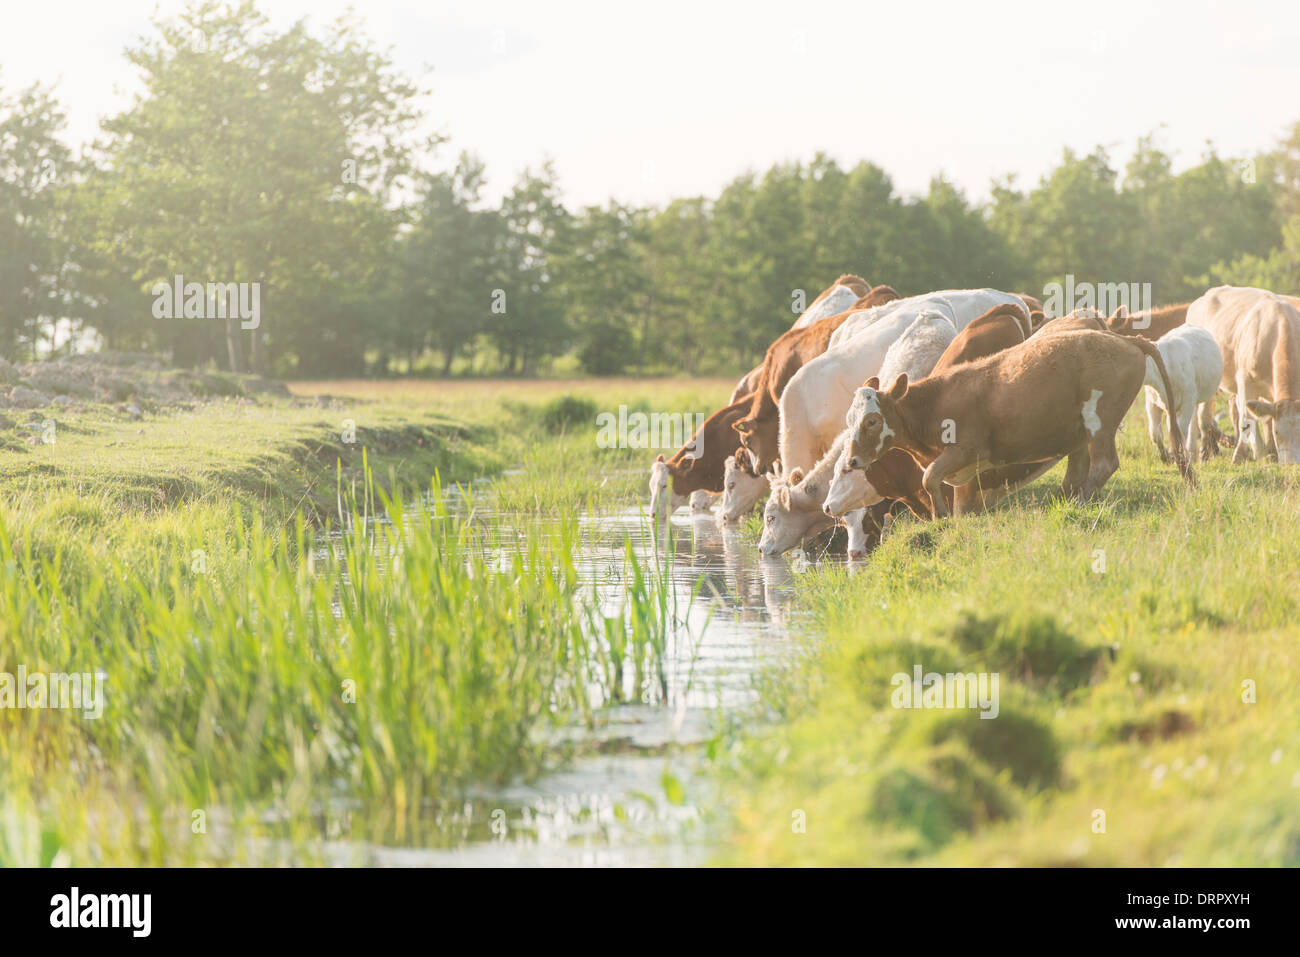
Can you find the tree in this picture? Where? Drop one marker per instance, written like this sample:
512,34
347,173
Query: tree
256,156
534,325
452,265
34,252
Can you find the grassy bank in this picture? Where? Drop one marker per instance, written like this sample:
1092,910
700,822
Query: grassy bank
275,456
266,690
1148,659
1145,645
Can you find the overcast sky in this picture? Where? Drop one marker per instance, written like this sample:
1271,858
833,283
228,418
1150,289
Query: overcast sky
675,98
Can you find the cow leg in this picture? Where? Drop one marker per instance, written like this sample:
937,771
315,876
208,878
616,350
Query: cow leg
1246,427
1076,471
1208,429
1193,434
950,460
1268,440
967,499
1155,423
1105,462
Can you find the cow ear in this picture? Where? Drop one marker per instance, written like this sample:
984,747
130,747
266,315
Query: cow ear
1261,408
661,457
1121,312
899,388
872,383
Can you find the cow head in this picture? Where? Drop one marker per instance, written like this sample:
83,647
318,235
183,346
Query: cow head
791,513
759,437
664,498
873,421
741,488
1285,416
701,500
849,488
861,539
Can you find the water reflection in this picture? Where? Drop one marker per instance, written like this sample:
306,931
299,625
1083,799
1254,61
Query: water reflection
612,805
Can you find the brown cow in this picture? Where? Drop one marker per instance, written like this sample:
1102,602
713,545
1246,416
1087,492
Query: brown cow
759,429
696,465
1150,324
1062,394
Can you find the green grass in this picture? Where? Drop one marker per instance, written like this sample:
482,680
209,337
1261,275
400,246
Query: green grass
1121,690
273,455
263,696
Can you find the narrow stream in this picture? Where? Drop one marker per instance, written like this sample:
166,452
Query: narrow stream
610,805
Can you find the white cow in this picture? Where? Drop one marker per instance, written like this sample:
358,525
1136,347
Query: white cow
919,348
663,499
794,509
1258,334
799,506
793,513
856,523
955,304
833,301
1195,367
701,500
740,491
848,488
818,395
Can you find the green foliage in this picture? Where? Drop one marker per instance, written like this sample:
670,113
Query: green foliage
566,412
286,157
391,665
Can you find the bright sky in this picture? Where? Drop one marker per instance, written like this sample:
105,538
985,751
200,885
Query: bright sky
675,98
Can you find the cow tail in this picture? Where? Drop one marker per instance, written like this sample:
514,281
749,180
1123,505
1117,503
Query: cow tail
1175,433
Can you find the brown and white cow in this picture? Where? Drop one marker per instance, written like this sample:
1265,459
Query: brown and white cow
834,299
696,465
1150,324
759,428
1037,315
1258,333
1000,328
1055,395
691,468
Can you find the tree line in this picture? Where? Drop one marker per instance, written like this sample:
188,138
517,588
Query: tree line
291,159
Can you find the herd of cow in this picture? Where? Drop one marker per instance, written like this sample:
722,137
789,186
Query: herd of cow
946,402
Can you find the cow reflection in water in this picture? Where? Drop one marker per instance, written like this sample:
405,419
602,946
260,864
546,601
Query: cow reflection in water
724,568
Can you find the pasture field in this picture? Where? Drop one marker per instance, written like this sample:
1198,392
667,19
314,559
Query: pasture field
298,678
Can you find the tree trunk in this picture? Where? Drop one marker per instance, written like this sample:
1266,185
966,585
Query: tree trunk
234,348
259,353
